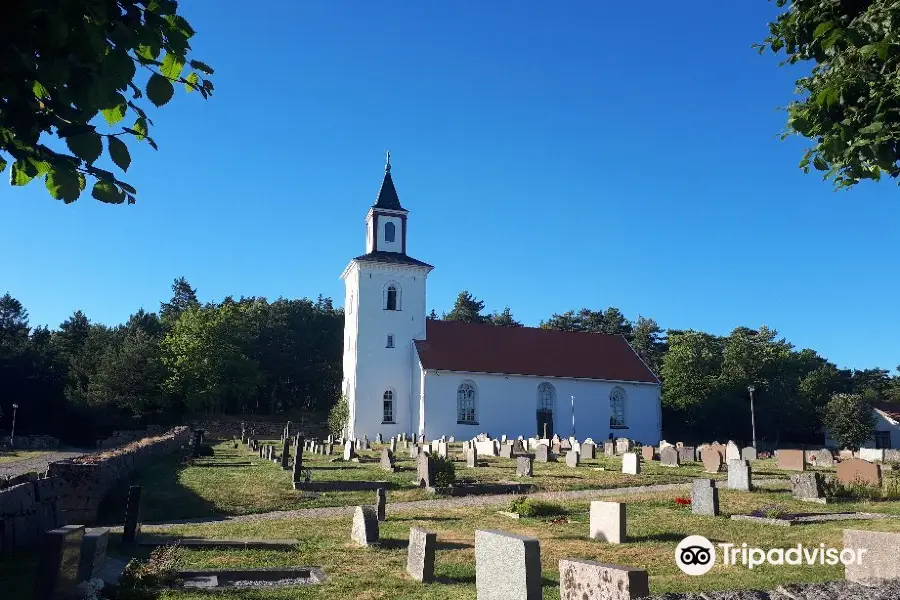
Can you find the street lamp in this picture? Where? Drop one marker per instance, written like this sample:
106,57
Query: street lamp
12,434
573,416
752,389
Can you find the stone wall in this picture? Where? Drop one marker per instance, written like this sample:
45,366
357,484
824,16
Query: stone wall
87,479
122,437
30,442
264,429
29,506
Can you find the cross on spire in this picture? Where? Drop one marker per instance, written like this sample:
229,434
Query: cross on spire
387,165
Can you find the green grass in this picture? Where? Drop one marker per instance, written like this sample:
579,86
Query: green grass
11,456
176,489
655,526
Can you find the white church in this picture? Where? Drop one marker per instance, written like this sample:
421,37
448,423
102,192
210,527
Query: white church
406,373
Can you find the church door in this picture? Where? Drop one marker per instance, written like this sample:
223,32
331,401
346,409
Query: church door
545,423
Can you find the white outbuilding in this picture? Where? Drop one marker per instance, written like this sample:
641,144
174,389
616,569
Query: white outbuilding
406,373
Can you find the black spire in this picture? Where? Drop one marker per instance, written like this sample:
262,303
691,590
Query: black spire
387,195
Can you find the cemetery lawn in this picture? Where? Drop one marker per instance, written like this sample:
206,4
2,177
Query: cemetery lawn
655,526
11,456
176,488
224,485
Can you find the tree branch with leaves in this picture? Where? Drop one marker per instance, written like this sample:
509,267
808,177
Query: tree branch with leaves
64,63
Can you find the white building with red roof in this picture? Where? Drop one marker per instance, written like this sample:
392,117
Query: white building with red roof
405,373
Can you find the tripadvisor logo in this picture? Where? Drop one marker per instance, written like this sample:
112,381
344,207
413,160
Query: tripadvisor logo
696,555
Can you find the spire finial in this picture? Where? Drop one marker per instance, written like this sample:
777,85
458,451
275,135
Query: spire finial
387,165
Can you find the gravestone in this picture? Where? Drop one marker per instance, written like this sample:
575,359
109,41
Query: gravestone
720,448
380,502
414,451
807,486
507,566
668,457
424,471
132,515
791,460
748,453
647,453
518,448
472,458
609,448
297,471
687,454
393,445
543,454
607,522
585,579
387,460
822,458
524,465
349,451
328,449
565,446
623,445
365,526
892,455
732,451
879,564
196,443
859,471
58,561
93,553
506,450
588,451
572,458
420,554
739,475
379,439
704,497
442,450
872,454
631,465
712,460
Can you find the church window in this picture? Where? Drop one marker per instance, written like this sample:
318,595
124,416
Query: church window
466,395
388,407
389,231
546,396
390,341
392,297
617,407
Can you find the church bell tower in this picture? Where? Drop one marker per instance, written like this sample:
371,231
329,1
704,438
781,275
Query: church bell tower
384,312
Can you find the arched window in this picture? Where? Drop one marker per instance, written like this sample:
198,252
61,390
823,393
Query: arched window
388,407
466,395
617,407
389,231
392,297
546,396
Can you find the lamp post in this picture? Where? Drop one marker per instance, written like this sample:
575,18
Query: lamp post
573,416
752,389
12,434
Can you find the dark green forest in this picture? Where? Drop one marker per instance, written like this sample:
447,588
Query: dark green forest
251,356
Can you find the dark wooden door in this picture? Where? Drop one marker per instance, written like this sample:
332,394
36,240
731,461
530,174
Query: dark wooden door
545,418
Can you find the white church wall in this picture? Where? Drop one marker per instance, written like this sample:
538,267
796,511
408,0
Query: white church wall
508,404
374,367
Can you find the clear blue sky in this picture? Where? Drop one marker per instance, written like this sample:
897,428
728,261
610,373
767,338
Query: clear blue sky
551,157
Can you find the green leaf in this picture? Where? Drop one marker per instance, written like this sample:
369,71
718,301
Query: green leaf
873,128
86,146
118,151
822,29
191,82
117,112
118,67
105,191
147,53
820,164
39,90
2,165
201,66
140,129
832,38
159,89
22,172
171,66
63,184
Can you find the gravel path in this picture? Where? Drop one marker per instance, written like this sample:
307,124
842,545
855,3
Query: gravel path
404,507
38,463
832,590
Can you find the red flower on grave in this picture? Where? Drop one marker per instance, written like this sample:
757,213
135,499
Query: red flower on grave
683,501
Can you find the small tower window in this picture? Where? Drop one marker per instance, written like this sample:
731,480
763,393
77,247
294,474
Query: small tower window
390,302
388,406
389,232
390,340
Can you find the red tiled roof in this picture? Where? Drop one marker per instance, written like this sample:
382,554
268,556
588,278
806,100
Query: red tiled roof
891,410
455,346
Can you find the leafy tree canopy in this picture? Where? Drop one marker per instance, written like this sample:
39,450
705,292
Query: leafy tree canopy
848,103
504,319
467,309
65,63
849,420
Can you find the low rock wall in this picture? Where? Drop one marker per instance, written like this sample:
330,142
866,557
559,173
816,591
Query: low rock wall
265,430
29,506
30,442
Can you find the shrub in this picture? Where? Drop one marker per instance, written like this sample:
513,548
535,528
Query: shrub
863,491
527,507
444,471
339,416
141,577
770,511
